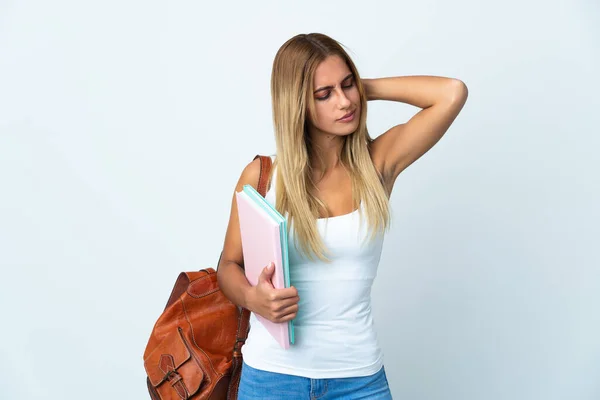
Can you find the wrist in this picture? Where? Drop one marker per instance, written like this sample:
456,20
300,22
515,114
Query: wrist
249,294
368,86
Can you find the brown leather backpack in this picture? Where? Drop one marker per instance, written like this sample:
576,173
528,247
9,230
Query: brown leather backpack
194,351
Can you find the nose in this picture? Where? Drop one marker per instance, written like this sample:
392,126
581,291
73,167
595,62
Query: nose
344,101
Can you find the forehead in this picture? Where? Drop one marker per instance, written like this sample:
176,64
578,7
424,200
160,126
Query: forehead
330,71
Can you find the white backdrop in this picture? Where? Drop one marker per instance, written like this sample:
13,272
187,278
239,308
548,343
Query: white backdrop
124,126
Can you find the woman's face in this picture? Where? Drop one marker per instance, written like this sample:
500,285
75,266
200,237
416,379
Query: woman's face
335,94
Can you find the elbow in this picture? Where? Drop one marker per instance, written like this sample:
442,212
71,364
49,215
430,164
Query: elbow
458,91
224,272
221,273
222,282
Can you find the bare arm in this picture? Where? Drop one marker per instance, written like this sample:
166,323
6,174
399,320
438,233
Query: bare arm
440,98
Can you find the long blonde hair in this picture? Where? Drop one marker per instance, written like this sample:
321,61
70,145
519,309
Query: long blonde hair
291,91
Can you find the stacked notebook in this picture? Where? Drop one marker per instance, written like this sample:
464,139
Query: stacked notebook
264,240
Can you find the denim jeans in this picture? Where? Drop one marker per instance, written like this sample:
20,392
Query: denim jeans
259,384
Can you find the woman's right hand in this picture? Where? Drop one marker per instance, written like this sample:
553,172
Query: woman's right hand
276,305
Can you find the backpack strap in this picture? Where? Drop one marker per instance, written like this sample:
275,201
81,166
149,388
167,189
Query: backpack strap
265,169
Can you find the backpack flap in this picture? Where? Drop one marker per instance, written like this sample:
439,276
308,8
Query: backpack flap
172,368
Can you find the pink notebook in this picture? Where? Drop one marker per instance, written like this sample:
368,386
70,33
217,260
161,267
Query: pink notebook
261,235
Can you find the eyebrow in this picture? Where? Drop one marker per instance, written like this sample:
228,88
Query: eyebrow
331,87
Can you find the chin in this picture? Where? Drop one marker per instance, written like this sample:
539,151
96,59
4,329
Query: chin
345,132
349,129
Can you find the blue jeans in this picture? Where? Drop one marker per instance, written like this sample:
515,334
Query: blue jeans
259,384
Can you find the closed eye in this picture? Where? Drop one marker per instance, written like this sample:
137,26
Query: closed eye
348,86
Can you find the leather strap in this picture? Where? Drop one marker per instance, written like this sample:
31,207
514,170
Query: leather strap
263,178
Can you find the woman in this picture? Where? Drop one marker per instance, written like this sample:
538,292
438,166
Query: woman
328,177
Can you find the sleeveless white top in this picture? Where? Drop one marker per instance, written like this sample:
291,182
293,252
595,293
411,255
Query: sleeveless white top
334,332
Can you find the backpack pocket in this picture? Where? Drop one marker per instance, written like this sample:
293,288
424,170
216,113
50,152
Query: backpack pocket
173,369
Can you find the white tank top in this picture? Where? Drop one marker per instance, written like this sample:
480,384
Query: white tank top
334,332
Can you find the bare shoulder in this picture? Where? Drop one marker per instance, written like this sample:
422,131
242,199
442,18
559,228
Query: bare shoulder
250,175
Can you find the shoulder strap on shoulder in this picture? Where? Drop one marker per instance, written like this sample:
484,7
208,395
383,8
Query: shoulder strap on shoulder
265,169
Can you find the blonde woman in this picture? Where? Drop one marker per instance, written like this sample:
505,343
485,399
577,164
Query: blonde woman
333,183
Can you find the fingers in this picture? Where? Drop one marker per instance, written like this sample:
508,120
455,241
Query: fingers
286,314
285,304
277,305
283,310
267,273
265,278
288,317
287,293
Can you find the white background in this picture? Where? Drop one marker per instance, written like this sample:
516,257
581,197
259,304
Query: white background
124,126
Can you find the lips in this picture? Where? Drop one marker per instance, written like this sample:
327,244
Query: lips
347,115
